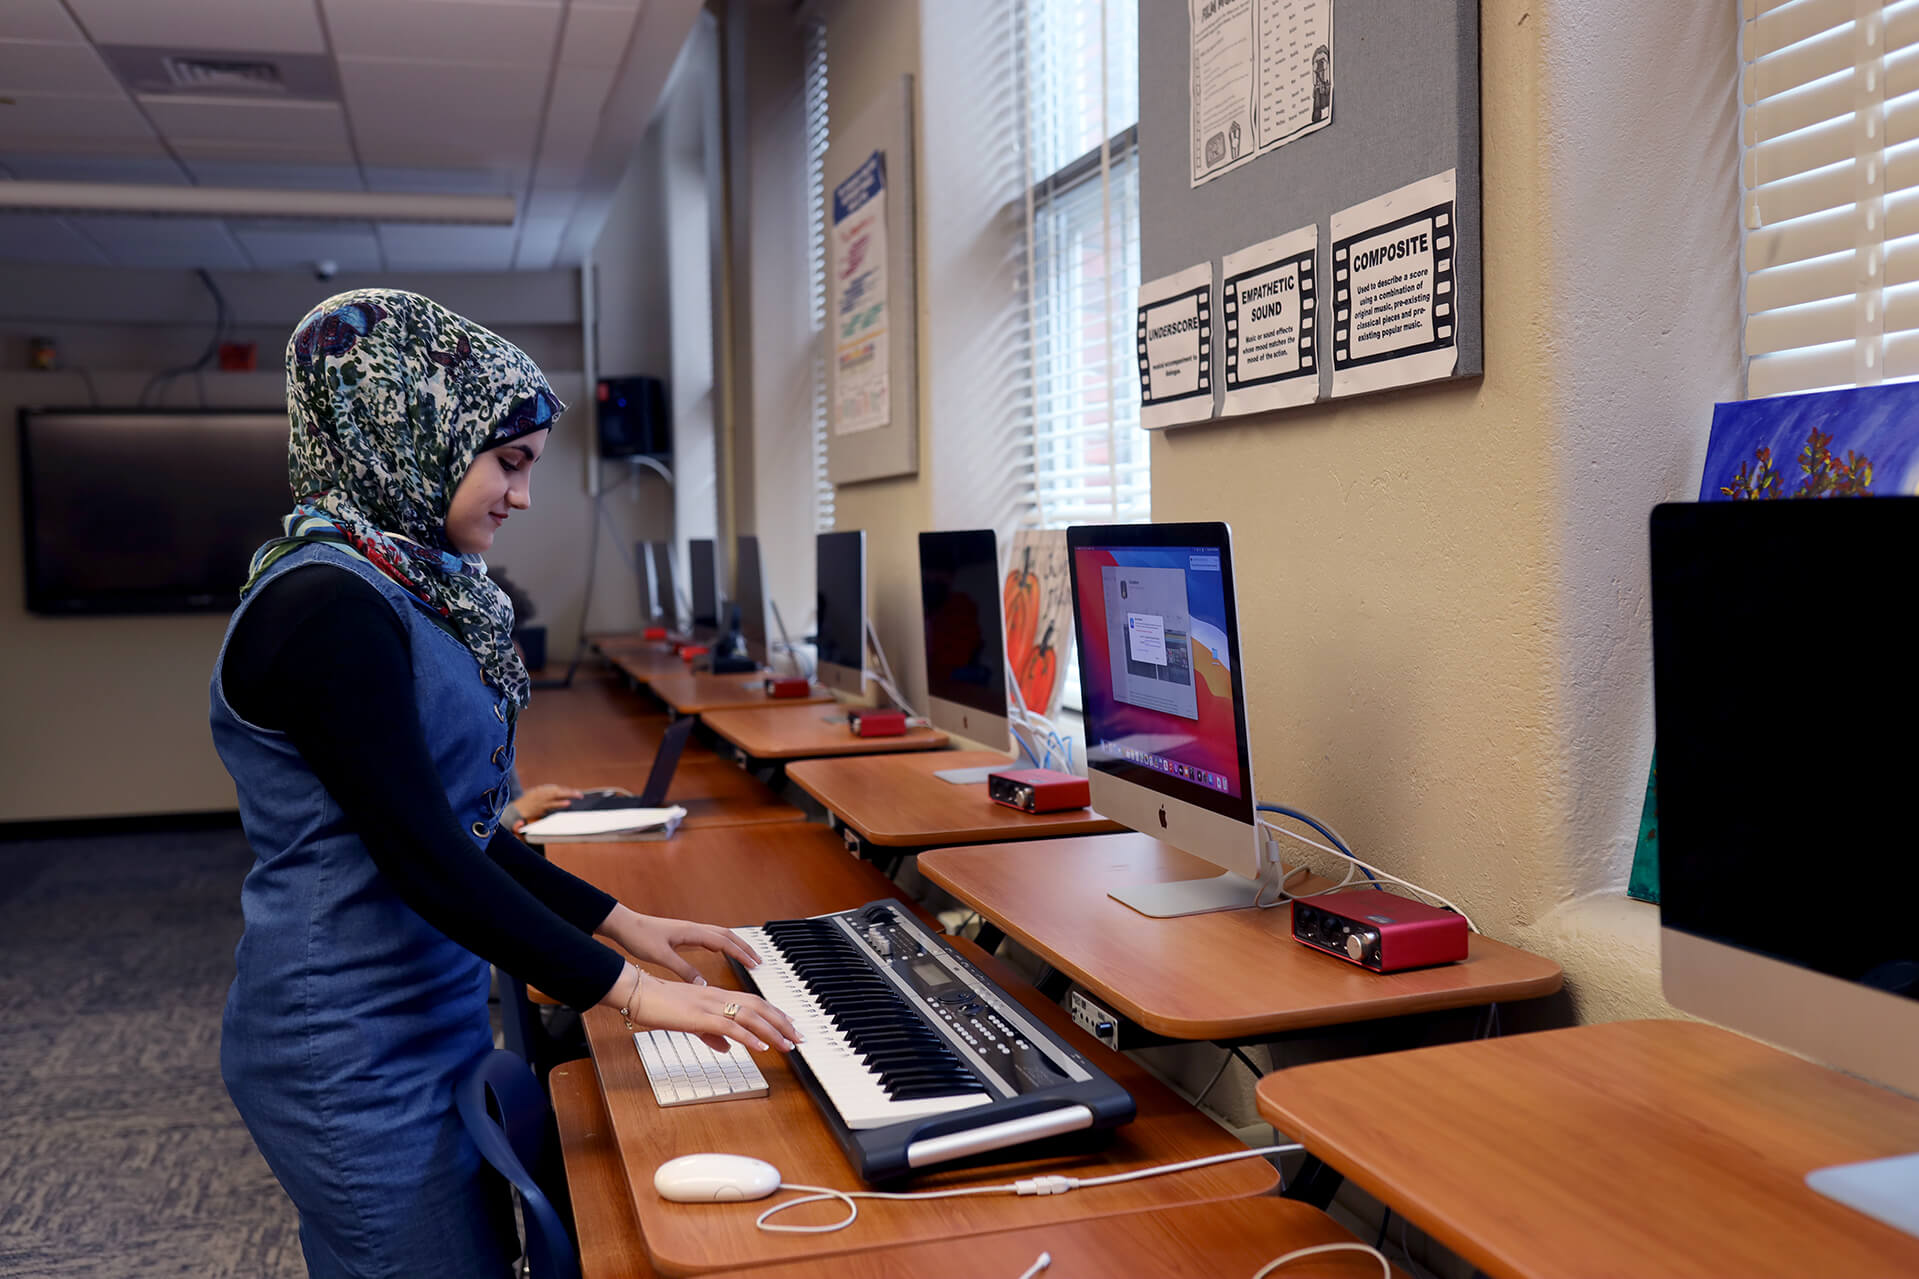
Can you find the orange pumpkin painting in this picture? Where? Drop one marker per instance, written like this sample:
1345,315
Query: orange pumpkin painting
1021,600
1036,670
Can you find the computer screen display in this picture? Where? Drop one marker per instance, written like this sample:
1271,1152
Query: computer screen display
1159,661
751,599
842,609
705,586
147,512
1783,642
960,607
665,590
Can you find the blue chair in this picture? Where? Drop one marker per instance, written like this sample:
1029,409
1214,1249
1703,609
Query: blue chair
507,1116
527,1035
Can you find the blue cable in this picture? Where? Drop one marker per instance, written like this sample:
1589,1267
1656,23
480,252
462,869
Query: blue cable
1298,816
1026,750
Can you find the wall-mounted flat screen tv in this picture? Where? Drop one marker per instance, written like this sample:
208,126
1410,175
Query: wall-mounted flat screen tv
135,512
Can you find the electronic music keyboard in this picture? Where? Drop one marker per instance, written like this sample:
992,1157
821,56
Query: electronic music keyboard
915,1057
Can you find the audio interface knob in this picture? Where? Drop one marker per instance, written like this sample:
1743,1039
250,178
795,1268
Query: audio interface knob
1356,946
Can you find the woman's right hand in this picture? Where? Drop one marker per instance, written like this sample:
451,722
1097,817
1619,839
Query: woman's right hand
700,1010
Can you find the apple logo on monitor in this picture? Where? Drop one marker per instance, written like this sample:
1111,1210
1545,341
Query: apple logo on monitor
1162,817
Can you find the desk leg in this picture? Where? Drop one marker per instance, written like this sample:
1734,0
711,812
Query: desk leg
1316,1183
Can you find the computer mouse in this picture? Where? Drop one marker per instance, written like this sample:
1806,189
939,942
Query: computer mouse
702,1179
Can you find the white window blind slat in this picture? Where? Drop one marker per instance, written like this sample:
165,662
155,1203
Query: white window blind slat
1789,24
1830,168
816,137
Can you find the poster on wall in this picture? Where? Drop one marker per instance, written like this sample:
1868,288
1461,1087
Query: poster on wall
1268,314
1392,287
1037,602
1174,337
858,304
1261,75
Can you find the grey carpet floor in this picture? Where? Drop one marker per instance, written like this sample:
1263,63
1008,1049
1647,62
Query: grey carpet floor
120,1154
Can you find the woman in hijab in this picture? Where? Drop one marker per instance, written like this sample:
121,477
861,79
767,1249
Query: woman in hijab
365,702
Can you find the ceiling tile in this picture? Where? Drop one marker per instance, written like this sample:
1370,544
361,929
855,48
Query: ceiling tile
596,35
507,32
38,20
350,246
549,204
62,122
260,26
506,153
437,181
170,242
384,93
42,237
54,68
157,168
410,247
214,171
579,95
310,127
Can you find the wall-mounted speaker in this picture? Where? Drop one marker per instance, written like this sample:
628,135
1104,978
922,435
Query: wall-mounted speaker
632,417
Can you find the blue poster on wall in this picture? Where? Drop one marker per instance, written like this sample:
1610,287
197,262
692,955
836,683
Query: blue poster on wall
1858,442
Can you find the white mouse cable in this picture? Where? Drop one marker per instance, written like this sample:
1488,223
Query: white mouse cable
1026,1186
1353,1245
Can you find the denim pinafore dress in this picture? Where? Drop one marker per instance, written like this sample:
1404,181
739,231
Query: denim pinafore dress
351,1018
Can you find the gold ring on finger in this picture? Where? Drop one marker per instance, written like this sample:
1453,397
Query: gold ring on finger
731,1012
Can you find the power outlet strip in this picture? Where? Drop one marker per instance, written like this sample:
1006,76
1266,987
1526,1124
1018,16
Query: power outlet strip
1093,1019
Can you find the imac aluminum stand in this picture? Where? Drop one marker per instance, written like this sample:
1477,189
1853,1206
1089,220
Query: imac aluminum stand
1201,896
1884,1189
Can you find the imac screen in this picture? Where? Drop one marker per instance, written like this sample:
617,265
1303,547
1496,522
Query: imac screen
706,583
960,598
1158,671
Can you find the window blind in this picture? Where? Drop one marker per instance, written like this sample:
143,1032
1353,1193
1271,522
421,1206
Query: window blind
816,138
1830,171
1079,119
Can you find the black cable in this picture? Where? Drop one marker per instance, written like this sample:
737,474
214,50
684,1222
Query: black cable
220,319
1240,1053
1379,1240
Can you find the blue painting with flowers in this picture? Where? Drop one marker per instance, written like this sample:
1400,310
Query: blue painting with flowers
1858,442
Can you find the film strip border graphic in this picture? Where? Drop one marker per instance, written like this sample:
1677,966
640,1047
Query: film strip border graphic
1204,296
1308,319
1440,219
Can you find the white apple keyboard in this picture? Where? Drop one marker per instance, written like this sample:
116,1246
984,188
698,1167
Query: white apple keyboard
684,1070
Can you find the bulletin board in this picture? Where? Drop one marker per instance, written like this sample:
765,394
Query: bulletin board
1405,108
872,388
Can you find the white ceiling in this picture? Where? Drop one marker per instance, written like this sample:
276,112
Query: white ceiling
538,99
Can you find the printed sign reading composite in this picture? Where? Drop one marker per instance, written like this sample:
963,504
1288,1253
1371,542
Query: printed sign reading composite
1175,342
1269,311
1392,262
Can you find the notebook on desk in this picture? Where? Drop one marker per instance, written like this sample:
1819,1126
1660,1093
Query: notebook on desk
616,815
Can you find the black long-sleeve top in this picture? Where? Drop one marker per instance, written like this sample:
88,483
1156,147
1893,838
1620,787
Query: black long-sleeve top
321,657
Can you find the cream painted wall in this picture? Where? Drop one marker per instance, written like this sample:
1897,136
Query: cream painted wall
870,44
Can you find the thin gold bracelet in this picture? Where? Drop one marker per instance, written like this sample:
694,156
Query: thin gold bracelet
633,1000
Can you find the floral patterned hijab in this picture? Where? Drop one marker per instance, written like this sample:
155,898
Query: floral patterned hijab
391,396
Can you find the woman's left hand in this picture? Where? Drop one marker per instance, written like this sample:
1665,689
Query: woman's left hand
656,940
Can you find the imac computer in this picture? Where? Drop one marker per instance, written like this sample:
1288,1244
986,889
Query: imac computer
1784,702
705,589
750,599
965,643
666,599
842,610
1166,739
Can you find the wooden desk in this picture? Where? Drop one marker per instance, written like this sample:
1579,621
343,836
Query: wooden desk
596,734
644,661
1232,1238
1228,975
610,1245
694,693
895,802
1649,1148
748,876
779,731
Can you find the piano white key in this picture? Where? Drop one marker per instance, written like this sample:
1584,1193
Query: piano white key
853,1087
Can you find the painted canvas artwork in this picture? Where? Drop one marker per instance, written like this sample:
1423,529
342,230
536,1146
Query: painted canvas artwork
1859,442
1038,603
